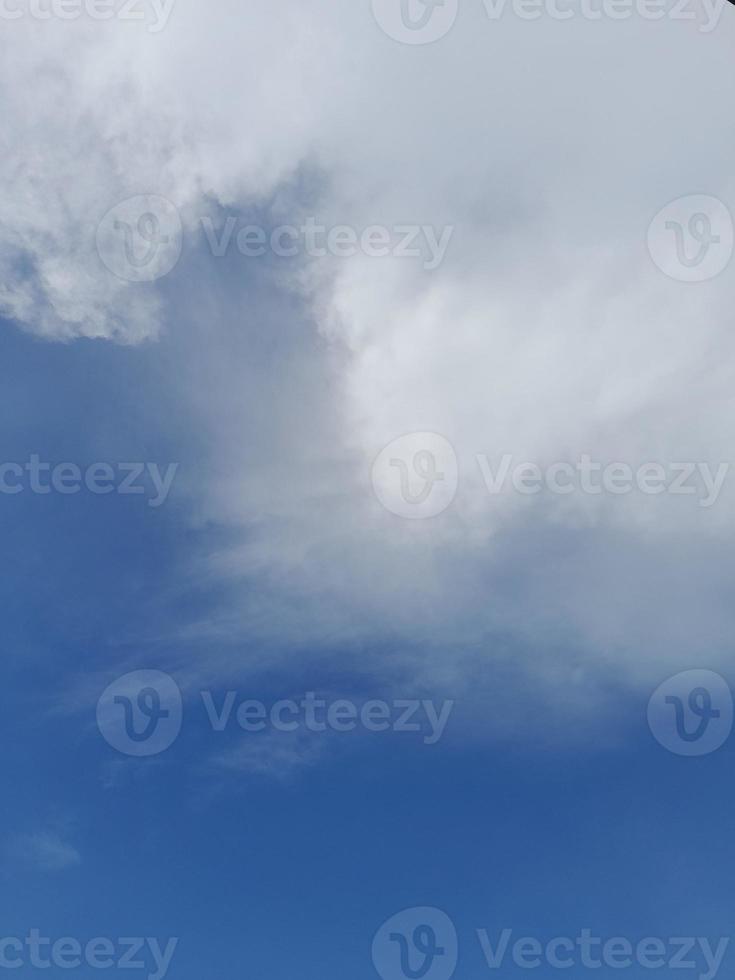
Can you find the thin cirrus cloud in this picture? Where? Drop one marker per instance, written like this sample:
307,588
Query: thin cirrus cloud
43,851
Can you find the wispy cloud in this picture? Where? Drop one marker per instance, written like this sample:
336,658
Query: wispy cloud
43,851
280,755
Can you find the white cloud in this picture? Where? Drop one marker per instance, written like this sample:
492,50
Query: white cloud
547,332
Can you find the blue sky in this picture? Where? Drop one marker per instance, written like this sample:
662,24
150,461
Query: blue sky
275,874
331,284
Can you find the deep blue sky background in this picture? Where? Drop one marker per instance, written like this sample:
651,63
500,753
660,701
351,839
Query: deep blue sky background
279,878
560,324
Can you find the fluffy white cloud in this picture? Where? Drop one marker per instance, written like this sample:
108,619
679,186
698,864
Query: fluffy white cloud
547,332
